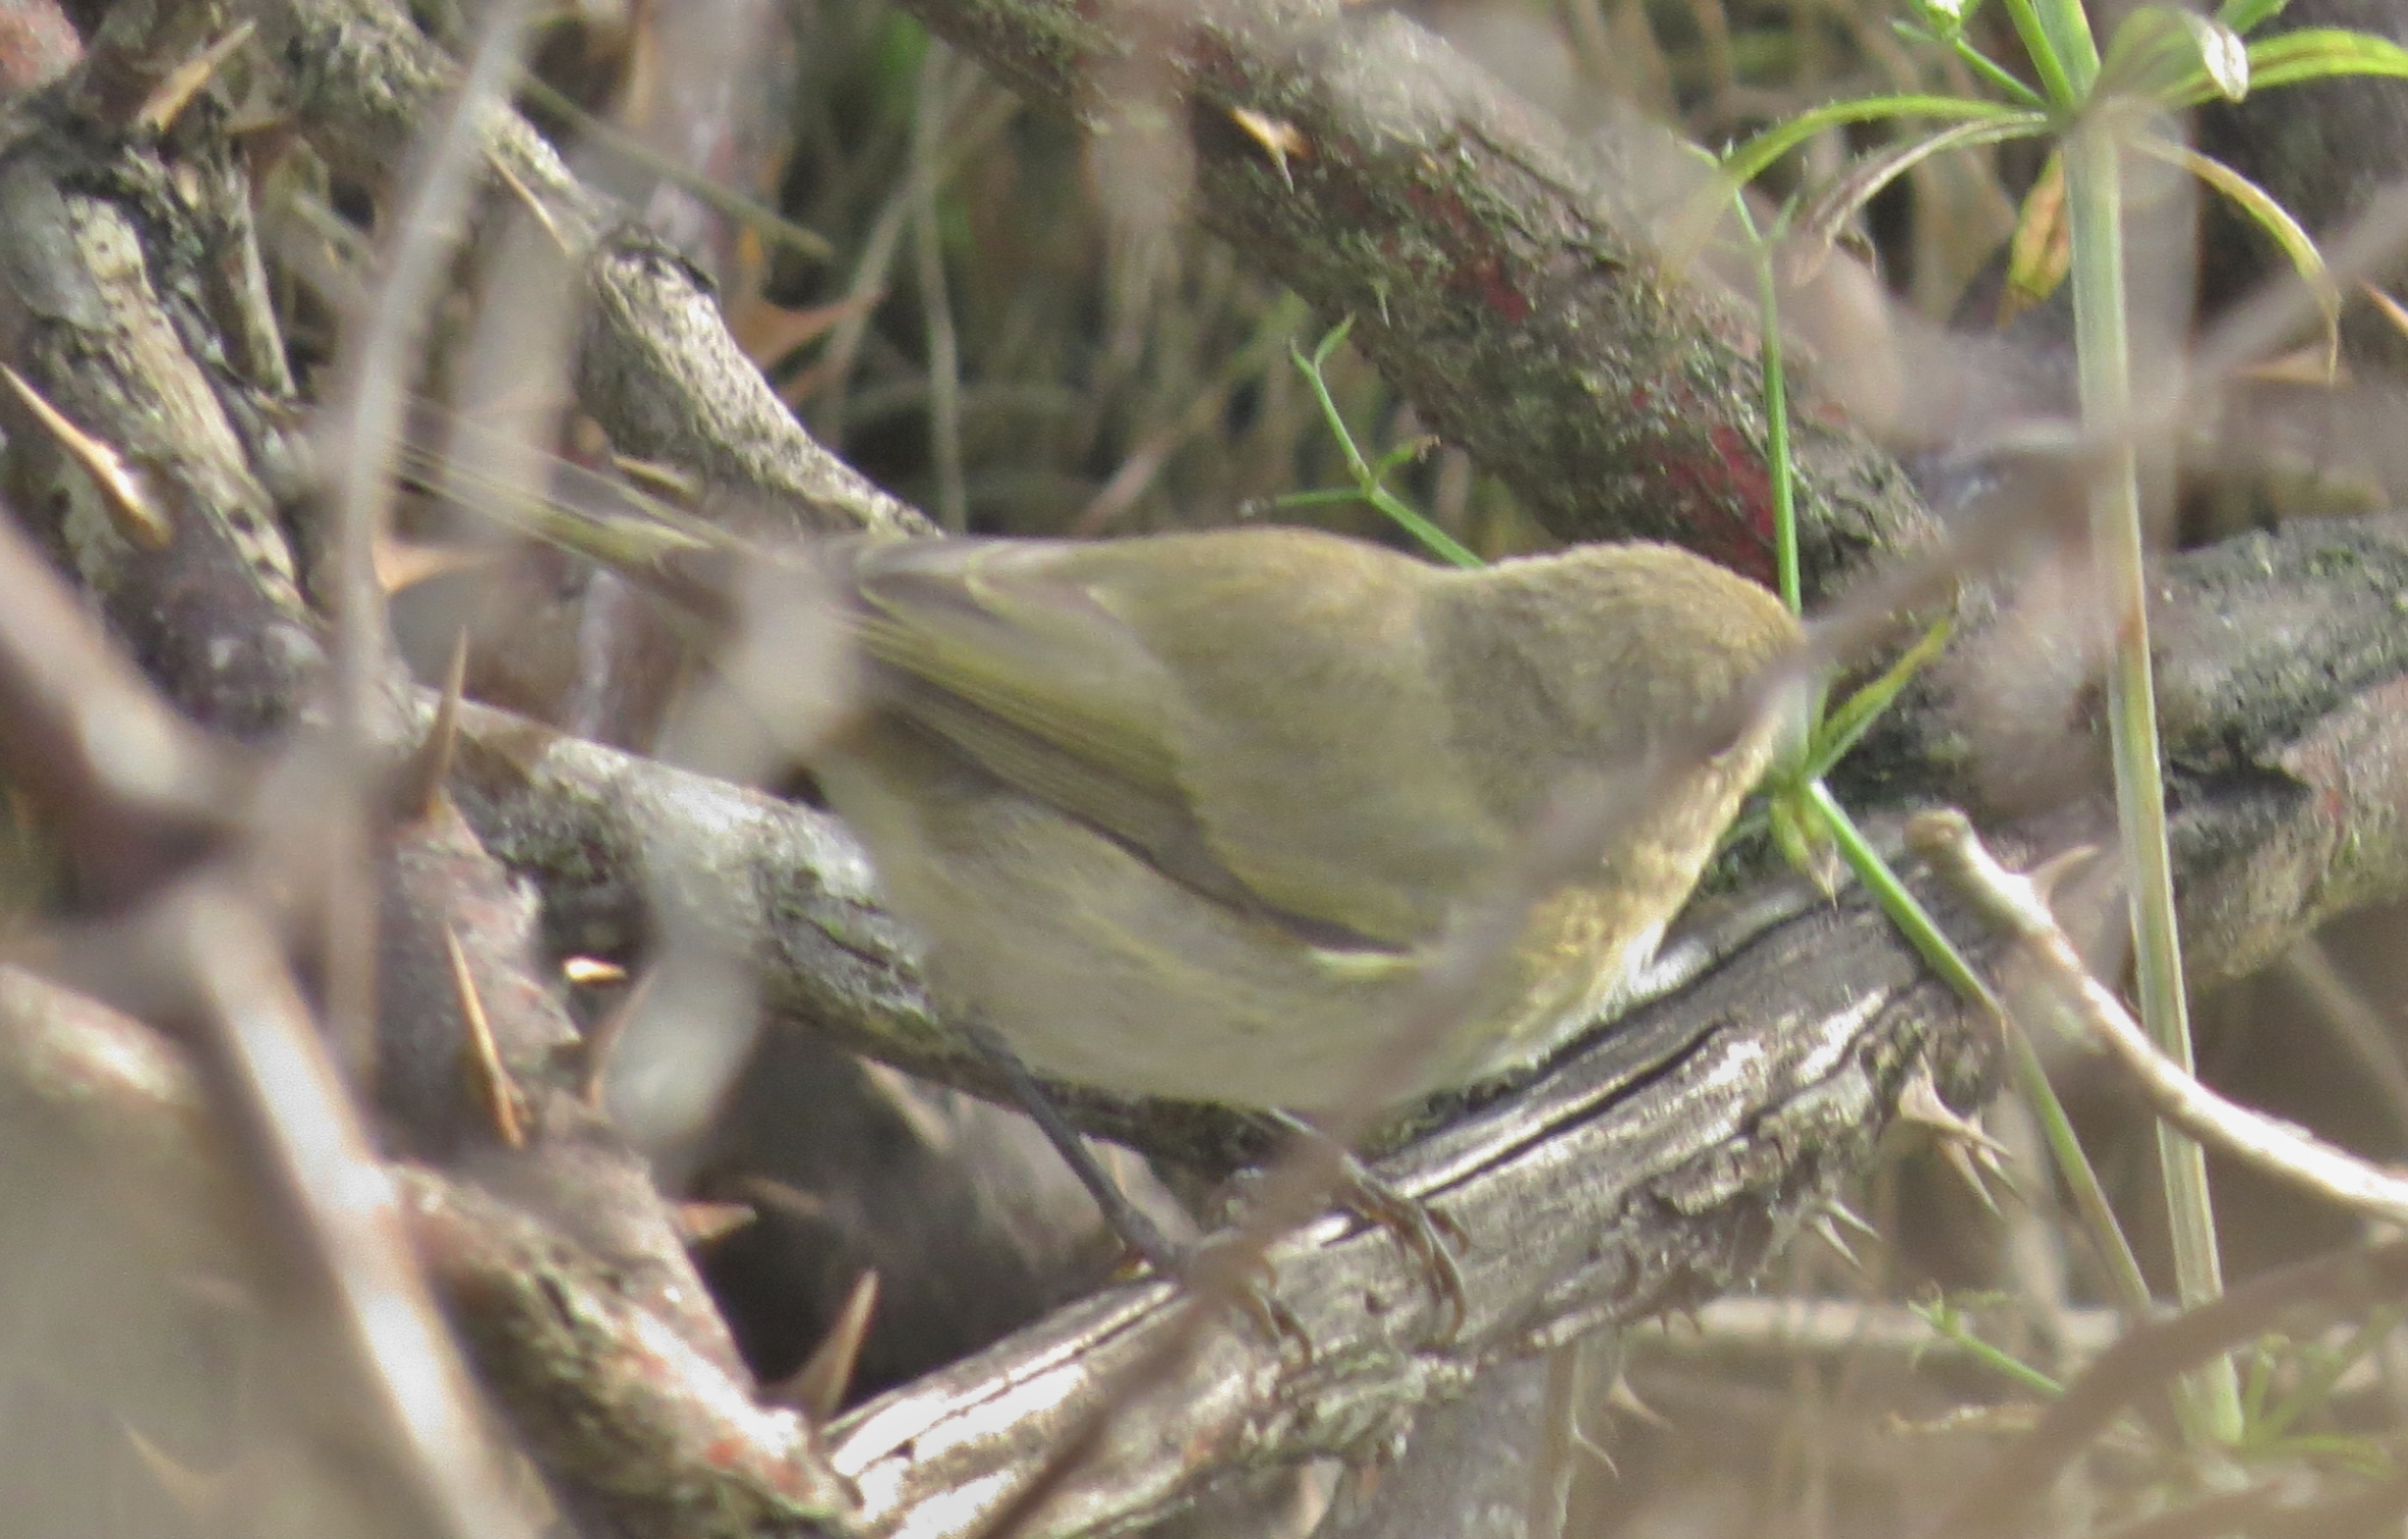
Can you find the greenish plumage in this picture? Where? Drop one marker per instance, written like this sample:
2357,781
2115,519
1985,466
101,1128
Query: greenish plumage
1186,814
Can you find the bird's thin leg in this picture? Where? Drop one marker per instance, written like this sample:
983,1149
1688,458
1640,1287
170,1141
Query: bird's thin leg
1139,1233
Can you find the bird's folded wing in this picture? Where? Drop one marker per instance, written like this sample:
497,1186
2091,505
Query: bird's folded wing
1042,665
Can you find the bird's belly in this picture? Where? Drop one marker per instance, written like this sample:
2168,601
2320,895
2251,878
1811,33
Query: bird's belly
1101,971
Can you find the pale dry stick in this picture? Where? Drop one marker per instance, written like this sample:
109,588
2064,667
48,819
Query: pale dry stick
2268,1144
345,1246
367,408
1838,1329
135,786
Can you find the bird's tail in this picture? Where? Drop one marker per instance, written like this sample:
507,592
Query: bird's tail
690,563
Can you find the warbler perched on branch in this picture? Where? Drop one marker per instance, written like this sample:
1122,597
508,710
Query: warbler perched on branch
1192,815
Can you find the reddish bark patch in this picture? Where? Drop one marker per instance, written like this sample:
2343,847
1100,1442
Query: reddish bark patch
1485,280
1723,499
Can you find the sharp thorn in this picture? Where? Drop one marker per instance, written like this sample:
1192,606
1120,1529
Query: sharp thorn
1621,1397
420,789
1920,1102
168,100
1851,1218
123,491
704,1223
481,1055
587,972
818,1388
1959,1161
1822,1226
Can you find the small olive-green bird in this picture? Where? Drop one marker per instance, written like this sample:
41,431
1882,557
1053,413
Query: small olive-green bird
1191,814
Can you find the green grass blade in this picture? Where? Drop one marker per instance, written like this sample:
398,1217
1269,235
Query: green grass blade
2247,16
1852,719
2316,53
2269,215
1751,159
1864,181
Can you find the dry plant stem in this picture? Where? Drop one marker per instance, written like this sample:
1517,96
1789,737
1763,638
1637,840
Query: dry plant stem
331,1212
602,1390
1509,291
654,364
2344,1285
1767,1331
2268,1144
586,1375
217,619
365,416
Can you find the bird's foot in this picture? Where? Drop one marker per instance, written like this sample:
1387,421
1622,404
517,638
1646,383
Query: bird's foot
1429,1237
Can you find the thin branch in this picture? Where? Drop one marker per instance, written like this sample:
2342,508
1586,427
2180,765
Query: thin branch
2266,1144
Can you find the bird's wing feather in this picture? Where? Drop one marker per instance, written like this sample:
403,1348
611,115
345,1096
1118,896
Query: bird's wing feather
1129,691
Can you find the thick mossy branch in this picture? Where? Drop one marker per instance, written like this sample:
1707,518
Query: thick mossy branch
1510,285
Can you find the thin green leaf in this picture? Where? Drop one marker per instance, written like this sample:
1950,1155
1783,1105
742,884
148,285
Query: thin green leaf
1744,162
1752,158
1949,1323
2257,1387
2276,220
1864,181
1863,709
2321,1373
1805,844
2247,16
1323,497
2057,33
1998,75
2314,53
1436,540
1367,487
1329,343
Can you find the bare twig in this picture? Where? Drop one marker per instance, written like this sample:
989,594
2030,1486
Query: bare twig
2268,1144
331,1210
595,1382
